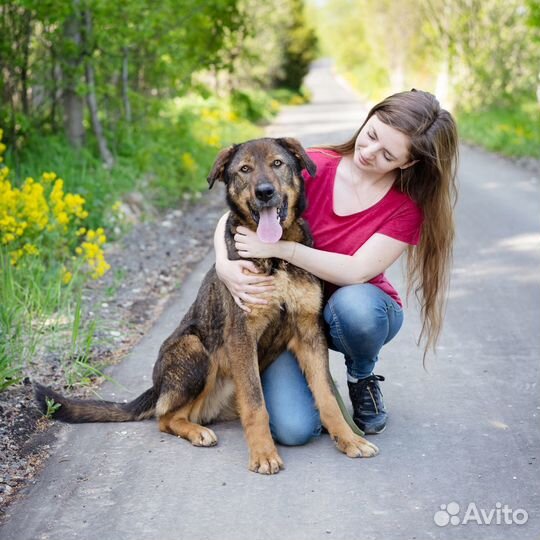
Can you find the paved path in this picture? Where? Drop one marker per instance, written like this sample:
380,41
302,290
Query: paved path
466,432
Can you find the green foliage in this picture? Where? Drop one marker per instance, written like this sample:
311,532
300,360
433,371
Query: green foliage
376,52
273,48
512,131
255,106
52,407
299,48
487,49
139,52
491,46
534,14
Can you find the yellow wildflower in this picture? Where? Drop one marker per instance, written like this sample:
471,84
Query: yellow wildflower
34,215
62,218
74,205
188,162
48,177
33,206
92,252
31,249
7,238
15,256
213,140
67,276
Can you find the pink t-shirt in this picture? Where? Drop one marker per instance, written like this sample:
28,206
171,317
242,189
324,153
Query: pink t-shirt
395,215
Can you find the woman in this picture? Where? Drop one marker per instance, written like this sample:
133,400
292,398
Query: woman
390,188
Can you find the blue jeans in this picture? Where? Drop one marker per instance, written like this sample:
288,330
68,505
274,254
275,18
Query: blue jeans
359,319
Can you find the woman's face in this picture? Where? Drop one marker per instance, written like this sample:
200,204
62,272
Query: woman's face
380,148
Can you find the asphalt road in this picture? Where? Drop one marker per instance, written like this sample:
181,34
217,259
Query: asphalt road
459,458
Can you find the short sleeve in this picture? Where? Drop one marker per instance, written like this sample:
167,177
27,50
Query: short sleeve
405,224
323,159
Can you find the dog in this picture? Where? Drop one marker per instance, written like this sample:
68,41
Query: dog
209,368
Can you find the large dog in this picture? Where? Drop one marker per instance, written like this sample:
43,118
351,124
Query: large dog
208,369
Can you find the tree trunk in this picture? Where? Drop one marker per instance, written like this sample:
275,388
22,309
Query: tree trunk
54,88
26,34
73,102
125,85
106,156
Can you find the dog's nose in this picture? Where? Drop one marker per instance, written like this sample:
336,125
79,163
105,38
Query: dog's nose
264,192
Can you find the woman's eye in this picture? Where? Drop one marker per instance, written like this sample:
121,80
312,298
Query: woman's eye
278,162
388,158
371,136
244,168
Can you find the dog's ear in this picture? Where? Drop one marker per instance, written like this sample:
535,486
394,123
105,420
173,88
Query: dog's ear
219,168
297,150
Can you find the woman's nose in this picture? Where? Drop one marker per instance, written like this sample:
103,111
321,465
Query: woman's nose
369,152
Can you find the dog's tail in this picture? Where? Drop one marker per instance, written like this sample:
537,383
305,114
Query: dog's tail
77,411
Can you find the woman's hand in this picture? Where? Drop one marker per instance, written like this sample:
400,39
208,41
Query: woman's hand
248,245
244,281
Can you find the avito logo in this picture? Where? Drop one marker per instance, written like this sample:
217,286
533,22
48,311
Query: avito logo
450,514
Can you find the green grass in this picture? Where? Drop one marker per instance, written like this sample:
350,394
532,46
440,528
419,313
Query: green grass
512,131
38,313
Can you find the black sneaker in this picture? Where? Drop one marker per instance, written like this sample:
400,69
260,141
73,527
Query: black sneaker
368,406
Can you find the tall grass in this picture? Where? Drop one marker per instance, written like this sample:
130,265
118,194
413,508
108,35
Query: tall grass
34,310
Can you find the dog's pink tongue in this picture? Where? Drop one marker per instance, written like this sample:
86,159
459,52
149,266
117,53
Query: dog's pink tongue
269,230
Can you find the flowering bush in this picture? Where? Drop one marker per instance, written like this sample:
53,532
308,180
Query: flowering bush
39,219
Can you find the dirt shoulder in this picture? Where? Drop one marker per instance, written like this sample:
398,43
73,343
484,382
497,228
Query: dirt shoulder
148,265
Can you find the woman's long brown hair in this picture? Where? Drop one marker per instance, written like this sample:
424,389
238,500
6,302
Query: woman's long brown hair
431,184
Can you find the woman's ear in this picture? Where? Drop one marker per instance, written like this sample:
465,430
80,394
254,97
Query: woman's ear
409,164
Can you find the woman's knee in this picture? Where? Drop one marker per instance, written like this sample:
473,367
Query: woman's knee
294,430
359,308
294,419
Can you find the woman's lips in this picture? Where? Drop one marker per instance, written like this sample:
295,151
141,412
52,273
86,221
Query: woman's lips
362,160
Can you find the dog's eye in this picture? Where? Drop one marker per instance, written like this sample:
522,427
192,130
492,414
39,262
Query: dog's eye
278,162
245,168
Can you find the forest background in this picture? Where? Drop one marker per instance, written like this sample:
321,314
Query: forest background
105,100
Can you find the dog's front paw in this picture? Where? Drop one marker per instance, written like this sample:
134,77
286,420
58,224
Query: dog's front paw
202,436
265,462
355,446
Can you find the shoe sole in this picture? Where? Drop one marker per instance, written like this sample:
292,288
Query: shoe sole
374,432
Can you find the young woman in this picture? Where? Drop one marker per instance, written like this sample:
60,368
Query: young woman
390,188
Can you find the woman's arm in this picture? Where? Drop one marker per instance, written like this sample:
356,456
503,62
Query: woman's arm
373,258
240,277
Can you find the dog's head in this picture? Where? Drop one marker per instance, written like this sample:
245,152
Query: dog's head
265,188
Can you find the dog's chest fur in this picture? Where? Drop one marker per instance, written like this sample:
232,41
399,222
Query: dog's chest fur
296,293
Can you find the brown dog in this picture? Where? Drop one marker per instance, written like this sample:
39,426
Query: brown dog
208,369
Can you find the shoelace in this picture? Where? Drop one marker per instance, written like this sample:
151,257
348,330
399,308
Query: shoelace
370,385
